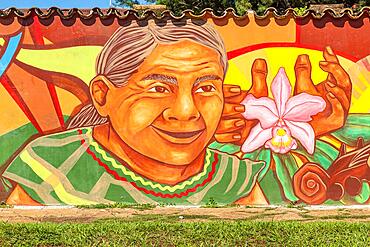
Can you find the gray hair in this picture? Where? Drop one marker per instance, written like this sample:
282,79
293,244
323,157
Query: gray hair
128,47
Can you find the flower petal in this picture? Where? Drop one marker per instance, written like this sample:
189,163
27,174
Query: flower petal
281,89
302,106
281,149
281,142
275,149
257,138
304,133
263,109
292,146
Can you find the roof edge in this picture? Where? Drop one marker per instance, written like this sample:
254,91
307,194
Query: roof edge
206,13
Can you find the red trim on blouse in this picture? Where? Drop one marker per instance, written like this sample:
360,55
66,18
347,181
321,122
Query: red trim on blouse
146,191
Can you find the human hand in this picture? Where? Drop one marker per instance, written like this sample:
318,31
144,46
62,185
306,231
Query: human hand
233,127
336,90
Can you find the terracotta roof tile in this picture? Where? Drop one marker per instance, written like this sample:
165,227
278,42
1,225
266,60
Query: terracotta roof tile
125,13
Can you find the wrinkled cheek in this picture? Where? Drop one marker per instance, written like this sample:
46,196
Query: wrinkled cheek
137,116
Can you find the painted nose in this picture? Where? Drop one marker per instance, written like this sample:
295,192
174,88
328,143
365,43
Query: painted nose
183,109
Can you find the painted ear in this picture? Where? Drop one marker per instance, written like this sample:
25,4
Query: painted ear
99,92
99,88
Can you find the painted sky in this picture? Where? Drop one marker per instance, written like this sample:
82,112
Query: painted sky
58,3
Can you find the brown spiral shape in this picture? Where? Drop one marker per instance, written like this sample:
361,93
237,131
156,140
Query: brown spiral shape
310,184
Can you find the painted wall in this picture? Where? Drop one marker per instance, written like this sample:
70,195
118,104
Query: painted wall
252,110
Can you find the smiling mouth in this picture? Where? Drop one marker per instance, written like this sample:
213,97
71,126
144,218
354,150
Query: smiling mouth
179,137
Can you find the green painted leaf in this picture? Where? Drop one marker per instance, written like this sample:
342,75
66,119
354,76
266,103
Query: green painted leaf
357,125
364,194
215,145
252,155
264,155
225,147
284,176
324,154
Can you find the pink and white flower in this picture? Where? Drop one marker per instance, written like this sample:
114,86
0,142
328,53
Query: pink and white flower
282,119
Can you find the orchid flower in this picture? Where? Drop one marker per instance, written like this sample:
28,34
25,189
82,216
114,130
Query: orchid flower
282,119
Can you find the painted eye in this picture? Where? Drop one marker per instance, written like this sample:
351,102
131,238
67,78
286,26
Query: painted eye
205,89
158,89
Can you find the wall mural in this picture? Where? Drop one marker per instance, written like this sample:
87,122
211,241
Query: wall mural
247,110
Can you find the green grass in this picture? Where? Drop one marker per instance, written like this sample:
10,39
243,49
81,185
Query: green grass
161,233
343,217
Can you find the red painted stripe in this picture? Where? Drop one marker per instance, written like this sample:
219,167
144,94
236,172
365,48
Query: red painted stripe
9,86
157,194
36,33
241,51
35,30
298,31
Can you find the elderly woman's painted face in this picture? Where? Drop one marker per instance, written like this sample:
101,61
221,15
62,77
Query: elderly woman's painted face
170,108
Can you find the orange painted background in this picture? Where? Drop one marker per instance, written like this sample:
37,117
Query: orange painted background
47,65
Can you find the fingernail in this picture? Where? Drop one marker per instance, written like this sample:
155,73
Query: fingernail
330,51
303,58
239,123
239,108
331,95
324,63
235,89
260,64
330,84
237,137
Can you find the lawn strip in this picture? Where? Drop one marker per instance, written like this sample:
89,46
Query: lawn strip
181,233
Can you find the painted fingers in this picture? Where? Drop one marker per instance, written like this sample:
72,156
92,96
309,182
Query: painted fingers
302,69
233,127
329,121
259,74
336,73
336,90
